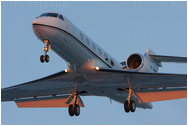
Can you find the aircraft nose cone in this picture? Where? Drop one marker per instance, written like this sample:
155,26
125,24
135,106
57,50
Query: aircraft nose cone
34,22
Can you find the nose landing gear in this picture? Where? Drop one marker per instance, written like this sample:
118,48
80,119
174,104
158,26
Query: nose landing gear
46,49
44,58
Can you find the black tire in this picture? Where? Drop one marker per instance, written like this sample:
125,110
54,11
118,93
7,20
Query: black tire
47,58
132,106
126,106
42,59
77,110
71,113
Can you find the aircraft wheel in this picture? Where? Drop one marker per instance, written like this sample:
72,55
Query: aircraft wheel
126,106
42,59
47,58
71,113
77,110
132,106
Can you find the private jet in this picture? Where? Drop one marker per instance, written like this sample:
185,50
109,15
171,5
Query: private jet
91,71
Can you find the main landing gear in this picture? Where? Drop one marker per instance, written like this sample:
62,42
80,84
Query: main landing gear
46,49
129,105
74,109
74,101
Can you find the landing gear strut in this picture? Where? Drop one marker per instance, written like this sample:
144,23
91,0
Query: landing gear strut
74,101
129,105
47,47
74,108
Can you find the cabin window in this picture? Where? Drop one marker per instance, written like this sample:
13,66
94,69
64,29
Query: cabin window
88,42
112,63
94,47
61,17
81,36
100,52
106,57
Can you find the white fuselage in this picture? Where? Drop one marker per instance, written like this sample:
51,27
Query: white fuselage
70,43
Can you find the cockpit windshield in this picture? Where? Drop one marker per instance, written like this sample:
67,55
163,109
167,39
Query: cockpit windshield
61,17
49,15
52,15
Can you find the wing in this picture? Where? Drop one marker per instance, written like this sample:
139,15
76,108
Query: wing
51,91
36,88
148,87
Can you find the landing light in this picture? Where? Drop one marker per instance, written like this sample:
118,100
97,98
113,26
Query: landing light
66,71
45,41
97,68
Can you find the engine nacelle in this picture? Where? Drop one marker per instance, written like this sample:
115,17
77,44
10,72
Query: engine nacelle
135,62
138,62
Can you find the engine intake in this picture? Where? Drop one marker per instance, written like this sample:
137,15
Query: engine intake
134,61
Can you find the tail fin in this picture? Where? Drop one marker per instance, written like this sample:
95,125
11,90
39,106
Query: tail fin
154,64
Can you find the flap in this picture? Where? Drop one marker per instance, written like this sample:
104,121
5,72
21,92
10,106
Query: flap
145,97
52,102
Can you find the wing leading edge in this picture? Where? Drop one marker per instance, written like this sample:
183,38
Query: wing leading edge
55,84
50,91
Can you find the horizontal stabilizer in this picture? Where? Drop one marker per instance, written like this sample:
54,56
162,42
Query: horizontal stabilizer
160,58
